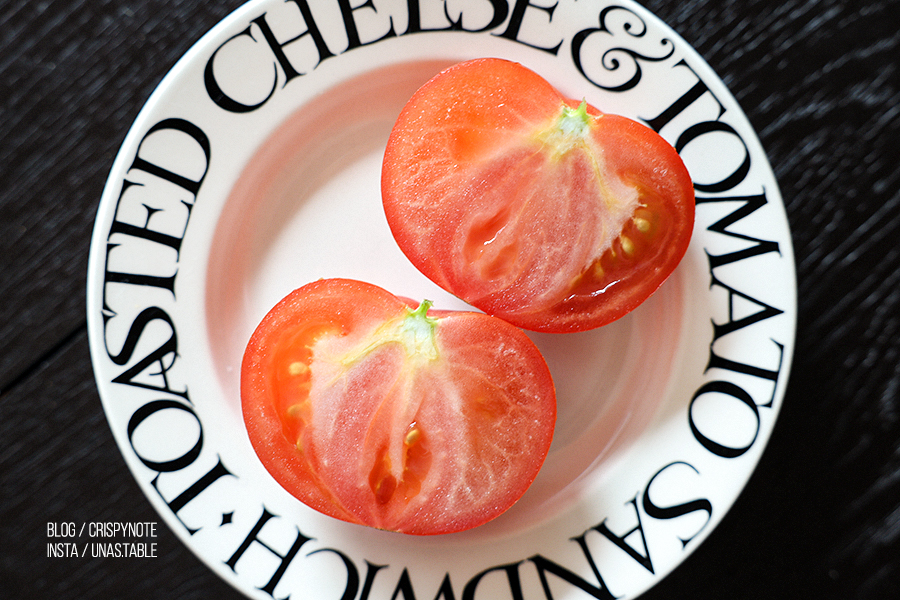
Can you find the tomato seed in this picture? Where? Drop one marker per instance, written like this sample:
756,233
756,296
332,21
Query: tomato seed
412,436
642,225
298,368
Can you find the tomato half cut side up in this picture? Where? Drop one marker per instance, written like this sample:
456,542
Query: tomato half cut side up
530,206
377,412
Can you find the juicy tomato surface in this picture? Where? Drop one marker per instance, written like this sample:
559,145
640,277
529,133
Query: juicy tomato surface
376,412
531,206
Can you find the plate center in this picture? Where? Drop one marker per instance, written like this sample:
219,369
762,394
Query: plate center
308,206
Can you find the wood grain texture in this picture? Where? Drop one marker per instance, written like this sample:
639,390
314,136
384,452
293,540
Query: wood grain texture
819,81
60,454
74,76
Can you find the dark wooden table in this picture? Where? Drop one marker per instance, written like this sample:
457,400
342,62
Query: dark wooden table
820,82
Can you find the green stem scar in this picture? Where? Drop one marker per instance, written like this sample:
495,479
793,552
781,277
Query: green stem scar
417,332
569,129
414,330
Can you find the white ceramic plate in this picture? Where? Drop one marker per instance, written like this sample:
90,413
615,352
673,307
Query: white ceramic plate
254,168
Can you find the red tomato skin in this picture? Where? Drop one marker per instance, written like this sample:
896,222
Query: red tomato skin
458,412
458,185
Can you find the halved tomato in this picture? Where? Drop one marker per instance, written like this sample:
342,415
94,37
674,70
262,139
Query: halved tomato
530,206
406,419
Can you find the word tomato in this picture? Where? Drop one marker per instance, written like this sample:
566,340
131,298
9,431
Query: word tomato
407,419
530,206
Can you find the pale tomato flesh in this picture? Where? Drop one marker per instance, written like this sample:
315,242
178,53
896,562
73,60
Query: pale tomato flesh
376,413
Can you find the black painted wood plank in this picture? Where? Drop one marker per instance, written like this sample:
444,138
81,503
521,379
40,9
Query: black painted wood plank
73,77
60,454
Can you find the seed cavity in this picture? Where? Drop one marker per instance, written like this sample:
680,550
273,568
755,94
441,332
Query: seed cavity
382,483
416,460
